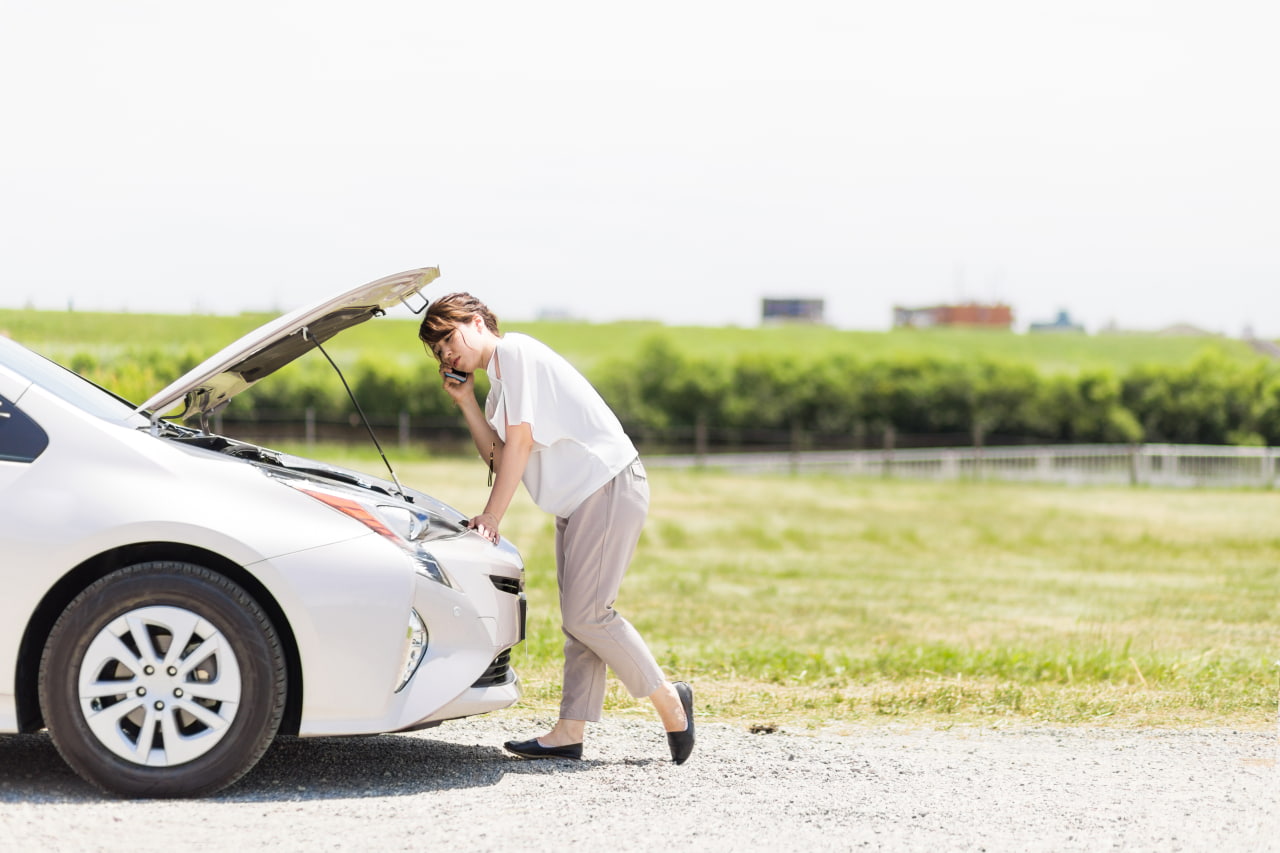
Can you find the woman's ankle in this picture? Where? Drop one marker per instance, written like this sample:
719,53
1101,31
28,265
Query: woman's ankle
667,703
564,733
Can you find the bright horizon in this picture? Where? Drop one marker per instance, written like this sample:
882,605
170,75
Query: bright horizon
677,162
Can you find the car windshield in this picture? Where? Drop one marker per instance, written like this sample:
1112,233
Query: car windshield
60,381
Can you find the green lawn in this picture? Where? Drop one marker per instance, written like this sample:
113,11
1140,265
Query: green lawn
817,601
824,600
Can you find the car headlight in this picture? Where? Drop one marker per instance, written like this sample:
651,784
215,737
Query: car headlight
407,528
415,525
415,648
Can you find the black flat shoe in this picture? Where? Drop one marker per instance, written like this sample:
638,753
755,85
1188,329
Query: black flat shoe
681,743
532,749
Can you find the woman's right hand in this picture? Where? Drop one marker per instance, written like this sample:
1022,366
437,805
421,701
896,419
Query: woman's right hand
459,391
486,524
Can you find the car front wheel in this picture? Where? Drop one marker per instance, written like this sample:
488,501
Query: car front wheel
162,680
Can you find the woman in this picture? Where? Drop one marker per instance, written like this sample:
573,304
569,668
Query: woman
544,425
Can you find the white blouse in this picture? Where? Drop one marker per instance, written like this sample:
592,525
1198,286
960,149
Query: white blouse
578,443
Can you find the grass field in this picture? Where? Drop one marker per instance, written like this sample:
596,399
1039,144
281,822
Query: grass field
828,601
821,601
60,334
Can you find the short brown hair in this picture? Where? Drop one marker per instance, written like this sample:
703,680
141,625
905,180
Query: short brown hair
449,312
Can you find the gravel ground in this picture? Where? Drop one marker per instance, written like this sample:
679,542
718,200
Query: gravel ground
453,788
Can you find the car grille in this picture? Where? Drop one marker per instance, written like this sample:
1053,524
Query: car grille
497,673
511,586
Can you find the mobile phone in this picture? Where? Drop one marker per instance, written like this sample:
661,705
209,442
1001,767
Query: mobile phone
455,376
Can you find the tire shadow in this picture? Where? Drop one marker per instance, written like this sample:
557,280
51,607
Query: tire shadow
32,771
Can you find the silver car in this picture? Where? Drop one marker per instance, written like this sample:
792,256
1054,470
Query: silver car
175,599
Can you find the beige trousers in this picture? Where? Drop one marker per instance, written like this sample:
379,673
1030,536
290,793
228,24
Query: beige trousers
594,546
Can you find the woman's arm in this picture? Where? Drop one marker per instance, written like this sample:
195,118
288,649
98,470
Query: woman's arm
483,436
509,463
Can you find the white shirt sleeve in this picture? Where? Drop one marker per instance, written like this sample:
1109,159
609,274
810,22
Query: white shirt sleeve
579,445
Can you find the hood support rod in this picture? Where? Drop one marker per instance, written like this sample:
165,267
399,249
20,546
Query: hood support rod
307,336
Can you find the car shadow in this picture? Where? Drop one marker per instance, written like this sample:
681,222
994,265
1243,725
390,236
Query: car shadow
297,769
380,766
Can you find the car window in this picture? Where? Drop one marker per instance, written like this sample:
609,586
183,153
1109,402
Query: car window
68,385
21,439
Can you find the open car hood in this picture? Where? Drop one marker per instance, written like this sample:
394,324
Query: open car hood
211,384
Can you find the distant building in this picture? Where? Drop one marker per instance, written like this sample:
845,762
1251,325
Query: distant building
969,314
1177,330
556,314
1185,330
1063,323
793,311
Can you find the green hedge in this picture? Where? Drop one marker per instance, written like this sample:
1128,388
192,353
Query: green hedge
1213,400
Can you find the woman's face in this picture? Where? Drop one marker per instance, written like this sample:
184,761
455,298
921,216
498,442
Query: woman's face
467,348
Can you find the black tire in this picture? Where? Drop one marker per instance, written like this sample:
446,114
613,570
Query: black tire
162,680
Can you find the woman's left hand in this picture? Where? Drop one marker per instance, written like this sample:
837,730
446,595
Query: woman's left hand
486,524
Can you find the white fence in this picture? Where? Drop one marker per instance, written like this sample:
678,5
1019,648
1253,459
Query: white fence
1181,465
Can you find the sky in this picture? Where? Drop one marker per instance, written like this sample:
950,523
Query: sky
672,161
